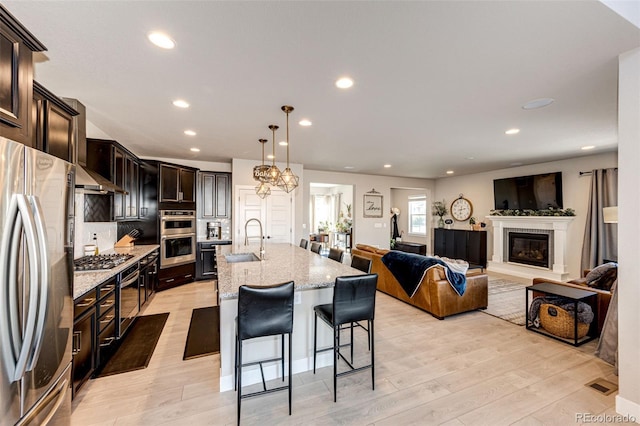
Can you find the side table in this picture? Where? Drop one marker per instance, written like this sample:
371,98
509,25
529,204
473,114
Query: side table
573,294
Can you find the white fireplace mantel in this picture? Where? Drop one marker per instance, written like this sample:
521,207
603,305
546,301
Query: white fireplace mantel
558,225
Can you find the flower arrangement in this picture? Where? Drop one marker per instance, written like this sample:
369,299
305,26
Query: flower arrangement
527,212
439,208
345,222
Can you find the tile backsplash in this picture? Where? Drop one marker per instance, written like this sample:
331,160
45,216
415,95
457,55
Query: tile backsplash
225,225
106,232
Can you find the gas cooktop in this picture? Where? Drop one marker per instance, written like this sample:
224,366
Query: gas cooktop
100,262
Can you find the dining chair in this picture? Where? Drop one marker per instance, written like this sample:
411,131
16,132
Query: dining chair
336,254
316,247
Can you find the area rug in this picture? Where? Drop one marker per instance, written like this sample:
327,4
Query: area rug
507,300
204,333
134,353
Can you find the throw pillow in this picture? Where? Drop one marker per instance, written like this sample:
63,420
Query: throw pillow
606,280
597,272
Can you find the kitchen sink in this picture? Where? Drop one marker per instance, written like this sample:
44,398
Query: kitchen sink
241,257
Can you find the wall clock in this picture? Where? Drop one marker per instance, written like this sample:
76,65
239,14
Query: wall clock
461,209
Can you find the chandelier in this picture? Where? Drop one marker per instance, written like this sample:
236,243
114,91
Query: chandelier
268,176
263,189
288,181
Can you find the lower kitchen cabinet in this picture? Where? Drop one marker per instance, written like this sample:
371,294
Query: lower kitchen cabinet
176,275
149,266
94,331
206,266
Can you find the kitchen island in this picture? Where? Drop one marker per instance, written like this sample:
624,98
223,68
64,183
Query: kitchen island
314,277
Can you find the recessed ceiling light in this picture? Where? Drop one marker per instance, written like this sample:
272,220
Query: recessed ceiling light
449,172
538,103
180,103
190,133
471,158
344,83
195,149
270,157
588,147
512,132
283,143
386,166
349,167
161,40
304,122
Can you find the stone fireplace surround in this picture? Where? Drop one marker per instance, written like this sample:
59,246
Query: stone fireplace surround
555,226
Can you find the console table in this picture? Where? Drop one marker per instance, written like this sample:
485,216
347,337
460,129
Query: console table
461,244
416,248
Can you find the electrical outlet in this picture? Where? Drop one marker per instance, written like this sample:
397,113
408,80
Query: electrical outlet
297,298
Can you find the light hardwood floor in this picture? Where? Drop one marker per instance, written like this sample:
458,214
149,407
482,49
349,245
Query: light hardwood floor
469,369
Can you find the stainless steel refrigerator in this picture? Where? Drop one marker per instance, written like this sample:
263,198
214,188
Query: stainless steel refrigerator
36,279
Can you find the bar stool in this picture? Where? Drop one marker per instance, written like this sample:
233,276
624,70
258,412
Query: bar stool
336,254
304,243
363,264
263,311
354,299
315,247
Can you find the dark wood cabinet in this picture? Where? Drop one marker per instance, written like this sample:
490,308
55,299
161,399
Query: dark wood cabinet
411,247
461,244
93,331
177,184
52,124
206,264
17,45
176,275
121,167
214,195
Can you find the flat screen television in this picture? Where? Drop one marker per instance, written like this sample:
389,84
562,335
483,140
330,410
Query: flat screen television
536,192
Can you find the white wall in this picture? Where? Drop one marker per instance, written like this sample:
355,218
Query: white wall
478,188
374,231
628,399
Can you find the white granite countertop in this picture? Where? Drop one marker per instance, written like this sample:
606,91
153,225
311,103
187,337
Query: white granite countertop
84,281
204,239
283,262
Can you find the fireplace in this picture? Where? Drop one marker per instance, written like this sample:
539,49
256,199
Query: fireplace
529,249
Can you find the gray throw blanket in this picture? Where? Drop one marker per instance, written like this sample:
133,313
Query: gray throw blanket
585,314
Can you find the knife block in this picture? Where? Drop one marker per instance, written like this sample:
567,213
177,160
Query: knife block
125,241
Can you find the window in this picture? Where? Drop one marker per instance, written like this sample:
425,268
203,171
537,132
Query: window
418,215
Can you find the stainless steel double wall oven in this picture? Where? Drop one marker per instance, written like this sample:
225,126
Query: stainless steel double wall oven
177,237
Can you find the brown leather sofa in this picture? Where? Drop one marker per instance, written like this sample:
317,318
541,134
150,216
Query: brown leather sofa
603,297
435,294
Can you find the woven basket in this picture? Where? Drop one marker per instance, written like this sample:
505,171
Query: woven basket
561,325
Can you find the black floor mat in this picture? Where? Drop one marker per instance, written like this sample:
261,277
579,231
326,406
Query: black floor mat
204,333
134,353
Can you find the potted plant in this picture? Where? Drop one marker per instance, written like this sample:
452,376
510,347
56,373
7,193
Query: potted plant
439,209
474,225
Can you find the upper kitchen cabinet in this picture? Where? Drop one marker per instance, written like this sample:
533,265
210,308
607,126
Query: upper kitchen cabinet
52,124
114,162
177,186
214,196
17,45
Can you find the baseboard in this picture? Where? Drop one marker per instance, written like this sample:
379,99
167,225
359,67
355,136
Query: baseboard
628,409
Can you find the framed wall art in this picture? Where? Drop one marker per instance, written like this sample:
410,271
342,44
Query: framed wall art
372,205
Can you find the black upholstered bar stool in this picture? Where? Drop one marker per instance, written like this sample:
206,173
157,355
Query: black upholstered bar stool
304,243
354,299
263,311
336,254
316,247
363,264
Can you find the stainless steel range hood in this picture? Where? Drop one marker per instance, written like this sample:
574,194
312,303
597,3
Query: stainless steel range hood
92,182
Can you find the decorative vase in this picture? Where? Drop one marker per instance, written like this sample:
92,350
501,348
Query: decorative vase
441,222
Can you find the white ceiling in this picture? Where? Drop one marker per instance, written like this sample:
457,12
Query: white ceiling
435,82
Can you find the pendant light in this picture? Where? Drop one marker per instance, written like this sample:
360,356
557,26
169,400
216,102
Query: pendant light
288,181
273,172
263,190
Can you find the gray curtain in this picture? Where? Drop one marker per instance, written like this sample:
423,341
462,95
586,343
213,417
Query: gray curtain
600,239
608,344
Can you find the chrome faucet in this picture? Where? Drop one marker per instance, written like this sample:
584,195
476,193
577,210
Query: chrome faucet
246,236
